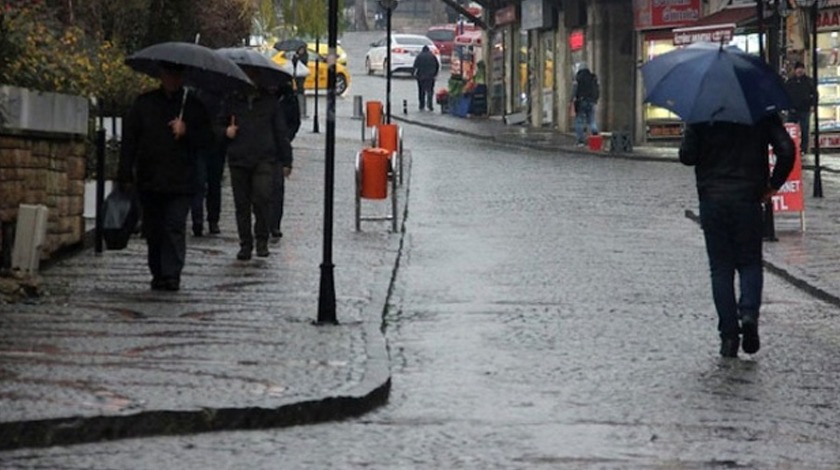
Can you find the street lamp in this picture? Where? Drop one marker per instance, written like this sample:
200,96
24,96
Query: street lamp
326,292
813,6
389,6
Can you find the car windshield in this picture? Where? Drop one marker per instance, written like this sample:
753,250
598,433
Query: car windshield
413,41
441,35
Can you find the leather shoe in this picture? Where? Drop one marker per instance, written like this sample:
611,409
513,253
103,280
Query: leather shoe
244,253
749,329
262,248
729,346
214,228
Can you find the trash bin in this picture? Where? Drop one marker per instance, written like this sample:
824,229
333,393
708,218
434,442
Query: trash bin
374,171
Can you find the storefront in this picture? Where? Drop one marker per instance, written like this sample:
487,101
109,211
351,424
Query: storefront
536,80
655,21
828,76
502,57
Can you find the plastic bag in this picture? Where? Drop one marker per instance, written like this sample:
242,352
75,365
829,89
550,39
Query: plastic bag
120,214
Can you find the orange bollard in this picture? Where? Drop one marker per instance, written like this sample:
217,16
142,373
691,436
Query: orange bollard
387,136
375,173
373,113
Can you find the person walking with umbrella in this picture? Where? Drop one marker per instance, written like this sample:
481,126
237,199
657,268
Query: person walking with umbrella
254,125
301,56
730,102
162,134
803,95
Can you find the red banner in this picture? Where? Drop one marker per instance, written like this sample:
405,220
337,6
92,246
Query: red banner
656,14
790,196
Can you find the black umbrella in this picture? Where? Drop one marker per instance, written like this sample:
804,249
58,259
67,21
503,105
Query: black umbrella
270,74
203,67
289,44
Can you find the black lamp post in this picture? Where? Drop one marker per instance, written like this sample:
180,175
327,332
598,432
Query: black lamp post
389,6
813,6
315,128
326,294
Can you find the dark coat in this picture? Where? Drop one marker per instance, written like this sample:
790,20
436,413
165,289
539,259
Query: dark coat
803,93
731,160
263,134
150,156
426,66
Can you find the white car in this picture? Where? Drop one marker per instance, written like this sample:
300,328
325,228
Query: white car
404,49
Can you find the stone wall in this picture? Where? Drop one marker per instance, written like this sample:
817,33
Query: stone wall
39,168
42,161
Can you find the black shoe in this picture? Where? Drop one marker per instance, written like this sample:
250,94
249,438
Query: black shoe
171,285
244,253
749,329
262,248
198,230
729,346
214,228
158,284
276,234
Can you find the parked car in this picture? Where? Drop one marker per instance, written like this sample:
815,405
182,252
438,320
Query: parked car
342,75
404,49
444,37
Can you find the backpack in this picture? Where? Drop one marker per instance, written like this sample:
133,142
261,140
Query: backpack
587,86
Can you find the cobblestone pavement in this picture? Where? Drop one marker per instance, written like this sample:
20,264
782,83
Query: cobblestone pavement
100,356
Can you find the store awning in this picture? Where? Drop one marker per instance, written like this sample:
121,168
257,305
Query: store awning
717,27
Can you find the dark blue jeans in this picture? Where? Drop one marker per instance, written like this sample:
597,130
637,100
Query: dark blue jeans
733,232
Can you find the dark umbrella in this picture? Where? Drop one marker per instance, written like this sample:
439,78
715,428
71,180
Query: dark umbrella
289,44
203,67
270,74
707,82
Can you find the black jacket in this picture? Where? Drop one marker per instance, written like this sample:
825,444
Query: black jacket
802,93
731,160
426,66
149,154
263,134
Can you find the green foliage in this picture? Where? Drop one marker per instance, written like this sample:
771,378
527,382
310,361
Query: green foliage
40,57
308,19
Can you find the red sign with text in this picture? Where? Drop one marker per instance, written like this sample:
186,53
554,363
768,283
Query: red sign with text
656,14
790,197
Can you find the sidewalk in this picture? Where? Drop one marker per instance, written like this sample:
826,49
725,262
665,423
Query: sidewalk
100,356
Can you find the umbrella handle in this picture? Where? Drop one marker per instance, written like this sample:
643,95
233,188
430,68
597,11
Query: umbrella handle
183,103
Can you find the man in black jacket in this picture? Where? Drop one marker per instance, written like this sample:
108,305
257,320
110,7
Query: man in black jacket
426,68
158,153
803,96
733,179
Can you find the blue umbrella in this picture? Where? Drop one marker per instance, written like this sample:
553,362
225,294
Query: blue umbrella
707,82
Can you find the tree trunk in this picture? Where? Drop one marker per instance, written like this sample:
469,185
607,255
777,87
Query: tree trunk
360,19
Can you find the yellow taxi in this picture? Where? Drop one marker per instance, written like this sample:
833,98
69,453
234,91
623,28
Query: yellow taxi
323,49
342,75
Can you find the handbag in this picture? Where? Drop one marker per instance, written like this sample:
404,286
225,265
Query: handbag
120,217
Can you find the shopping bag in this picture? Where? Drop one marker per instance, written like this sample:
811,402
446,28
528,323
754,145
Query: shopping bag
120,214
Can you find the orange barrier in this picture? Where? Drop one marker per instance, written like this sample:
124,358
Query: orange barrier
596,142
373,114
374,169
388,137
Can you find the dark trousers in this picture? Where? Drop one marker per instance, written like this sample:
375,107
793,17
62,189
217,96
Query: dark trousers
252,188
278,195
164,227
426,92
733,233
210,167
804,121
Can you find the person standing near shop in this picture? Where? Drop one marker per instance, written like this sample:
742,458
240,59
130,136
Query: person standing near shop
803,96
157,159
585,96
426,68
733,180
257,139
